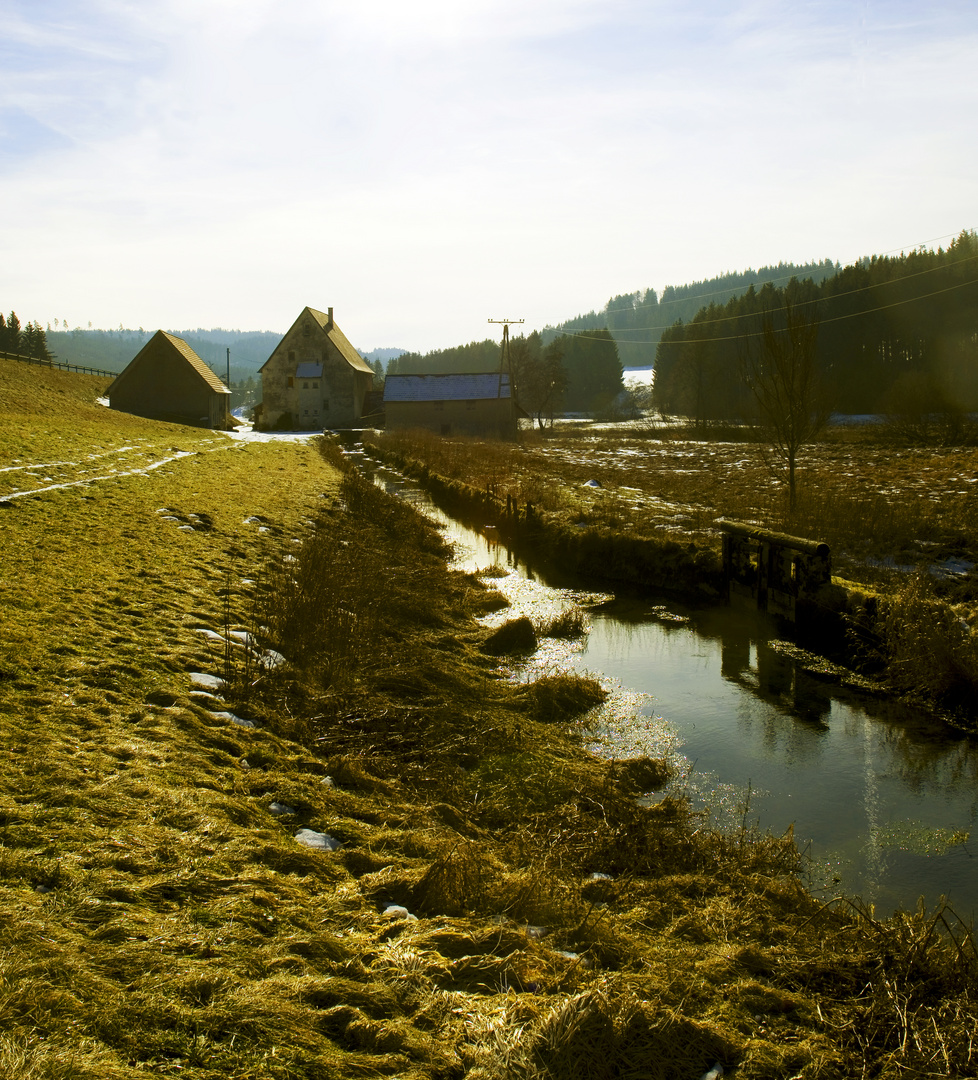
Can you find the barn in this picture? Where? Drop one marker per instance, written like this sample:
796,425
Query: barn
167,380
315,378
450,404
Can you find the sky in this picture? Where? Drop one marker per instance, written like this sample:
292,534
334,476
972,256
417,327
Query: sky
425,167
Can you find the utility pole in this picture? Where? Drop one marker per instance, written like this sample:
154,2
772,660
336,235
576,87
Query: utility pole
505,364
504,355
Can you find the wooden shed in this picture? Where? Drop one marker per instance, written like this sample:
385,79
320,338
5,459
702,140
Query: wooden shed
315,378
167,380
479,404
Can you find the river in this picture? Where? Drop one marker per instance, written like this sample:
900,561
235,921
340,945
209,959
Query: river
882,798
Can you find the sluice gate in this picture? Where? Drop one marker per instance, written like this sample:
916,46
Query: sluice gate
775,572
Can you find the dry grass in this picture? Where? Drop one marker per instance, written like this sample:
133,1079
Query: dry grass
865,498
894,518
158,917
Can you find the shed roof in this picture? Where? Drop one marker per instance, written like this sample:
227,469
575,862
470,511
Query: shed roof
489,386
185,351
308,370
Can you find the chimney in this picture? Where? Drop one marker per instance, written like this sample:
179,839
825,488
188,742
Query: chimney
329,314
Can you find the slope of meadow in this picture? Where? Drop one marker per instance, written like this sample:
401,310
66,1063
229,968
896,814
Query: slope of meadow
481,898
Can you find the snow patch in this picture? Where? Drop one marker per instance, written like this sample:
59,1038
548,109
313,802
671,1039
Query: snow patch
234,719
202,681
316,840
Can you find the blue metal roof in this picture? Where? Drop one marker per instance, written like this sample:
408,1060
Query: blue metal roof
491,386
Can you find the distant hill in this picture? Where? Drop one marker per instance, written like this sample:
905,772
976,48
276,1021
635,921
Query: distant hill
111,350
383,355
636,320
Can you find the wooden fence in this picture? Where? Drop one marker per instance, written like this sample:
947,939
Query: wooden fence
54,364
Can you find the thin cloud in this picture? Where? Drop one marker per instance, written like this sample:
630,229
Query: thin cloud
203,162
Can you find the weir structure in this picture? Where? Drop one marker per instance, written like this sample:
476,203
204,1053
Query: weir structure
777,573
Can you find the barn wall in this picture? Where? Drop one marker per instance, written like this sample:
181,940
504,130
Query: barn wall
163,384
492,418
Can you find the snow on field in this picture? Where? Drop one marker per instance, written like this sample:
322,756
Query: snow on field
86,478
638,376
246,433
25,478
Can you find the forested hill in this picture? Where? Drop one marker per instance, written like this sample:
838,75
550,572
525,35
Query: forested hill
111,350
894,334
636,320
477,356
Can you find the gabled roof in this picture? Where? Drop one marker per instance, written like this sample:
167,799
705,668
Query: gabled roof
339,339
490,386
185,351
335,335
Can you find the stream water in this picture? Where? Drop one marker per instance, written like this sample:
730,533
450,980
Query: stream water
882,798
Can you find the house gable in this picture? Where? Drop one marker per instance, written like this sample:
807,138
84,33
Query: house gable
166,379
314,378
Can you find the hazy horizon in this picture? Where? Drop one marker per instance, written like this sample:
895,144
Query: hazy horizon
424,169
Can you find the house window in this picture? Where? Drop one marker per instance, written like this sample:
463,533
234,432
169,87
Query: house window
305,385
325,404
291,356
439,405
315,384
291,381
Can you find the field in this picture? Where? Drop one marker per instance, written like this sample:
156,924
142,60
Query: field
901,522
271,808
879,506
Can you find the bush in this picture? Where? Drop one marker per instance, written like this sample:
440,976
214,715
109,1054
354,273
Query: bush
930,649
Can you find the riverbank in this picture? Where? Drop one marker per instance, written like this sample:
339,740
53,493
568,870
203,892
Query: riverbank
366,853
651,523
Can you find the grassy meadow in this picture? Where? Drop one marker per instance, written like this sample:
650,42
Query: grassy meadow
481,898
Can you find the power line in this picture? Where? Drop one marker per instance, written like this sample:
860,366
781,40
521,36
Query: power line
823,299
823,322
773,280
808,303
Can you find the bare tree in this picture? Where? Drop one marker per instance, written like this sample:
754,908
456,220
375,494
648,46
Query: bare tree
780,369
538,377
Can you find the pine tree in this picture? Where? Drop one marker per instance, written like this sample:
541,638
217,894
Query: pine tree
13,333
36,342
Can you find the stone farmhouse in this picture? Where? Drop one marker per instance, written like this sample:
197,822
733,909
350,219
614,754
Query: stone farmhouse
314,379
479,404
167,380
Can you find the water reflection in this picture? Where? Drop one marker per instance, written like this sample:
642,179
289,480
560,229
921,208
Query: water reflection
883,797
